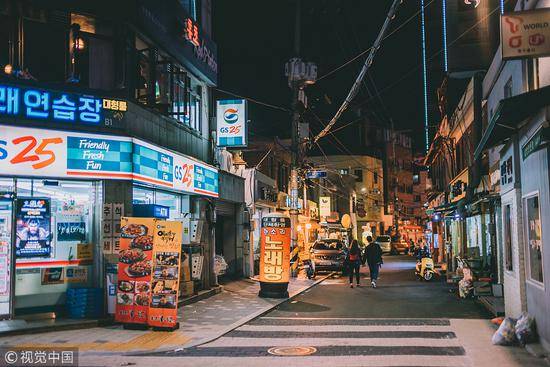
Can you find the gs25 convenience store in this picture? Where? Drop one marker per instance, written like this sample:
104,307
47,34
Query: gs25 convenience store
52,187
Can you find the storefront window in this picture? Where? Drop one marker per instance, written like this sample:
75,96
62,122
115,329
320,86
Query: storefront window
143,195
56,250
508,237
534,238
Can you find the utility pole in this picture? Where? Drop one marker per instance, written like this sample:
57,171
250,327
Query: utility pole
295,85
299,75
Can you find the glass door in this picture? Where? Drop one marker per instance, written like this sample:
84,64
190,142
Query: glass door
6,205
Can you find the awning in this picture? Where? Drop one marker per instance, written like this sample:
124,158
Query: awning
509,113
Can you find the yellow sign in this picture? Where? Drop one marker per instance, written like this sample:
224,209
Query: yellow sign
85,251
275,250
346,221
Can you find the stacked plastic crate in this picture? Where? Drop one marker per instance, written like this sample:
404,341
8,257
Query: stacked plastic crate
85,302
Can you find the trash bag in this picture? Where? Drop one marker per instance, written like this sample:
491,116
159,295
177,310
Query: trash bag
525,329
506,333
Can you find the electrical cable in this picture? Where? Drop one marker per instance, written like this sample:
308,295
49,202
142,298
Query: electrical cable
355,87
254,100
368,49
434,55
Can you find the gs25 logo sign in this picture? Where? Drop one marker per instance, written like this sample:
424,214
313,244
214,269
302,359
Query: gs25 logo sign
31,150
184,174
230,130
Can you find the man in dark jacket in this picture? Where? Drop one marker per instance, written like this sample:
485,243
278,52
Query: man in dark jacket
373,253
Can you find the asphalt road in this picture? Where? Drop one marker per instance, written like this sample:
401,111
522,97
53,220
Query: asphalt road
398,295
403,322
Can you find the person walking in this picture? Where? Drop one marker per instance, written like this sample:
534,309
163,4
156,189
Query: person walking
354,262
373,253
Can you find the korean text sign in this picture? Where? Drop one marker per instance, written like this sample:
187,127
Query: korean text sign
275,249
232,123
60,107
33,233
525,34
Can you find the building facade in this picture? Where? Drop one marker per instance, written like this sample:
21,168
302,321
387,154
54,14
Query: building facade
99,115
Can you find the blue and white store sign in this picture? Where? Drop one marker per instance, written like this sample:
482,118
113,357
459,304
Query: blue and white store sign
60,107
232,123
53,153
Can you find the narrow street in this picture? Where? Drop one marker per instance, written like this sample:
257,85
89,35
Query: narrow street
404,322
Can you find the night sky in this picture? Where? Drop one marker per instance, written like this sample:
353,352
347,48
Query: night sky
256,38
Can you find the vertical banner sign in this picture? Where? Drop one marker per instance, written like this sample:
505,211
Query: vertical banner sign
163,312
232,123
274,252
33,233
134,270
525,34
324,206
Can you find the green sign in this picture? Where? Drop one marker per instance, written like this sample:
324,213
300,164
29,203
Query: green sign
532,145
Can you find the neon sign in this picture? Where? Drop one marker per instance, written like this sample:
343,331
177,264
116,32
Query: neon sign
191,31
60,107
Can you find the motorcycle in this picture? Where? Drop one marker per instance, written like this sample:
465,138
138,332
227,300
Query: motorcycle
425,268
309,266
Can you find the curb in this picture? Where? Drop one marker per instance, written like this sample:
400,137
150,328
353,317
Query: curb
233,326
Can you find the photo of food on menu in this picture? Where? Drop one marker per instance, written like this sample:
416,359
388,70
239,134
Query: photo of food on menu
166,272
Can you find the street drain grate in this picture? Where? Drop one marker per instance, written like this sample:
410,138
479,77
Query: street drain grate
292,351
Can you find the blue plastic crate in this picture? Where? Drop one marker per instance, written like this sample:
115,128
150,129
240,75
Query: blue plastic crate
84,291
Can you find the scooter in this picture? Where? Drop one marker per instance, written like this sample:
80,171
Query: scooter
425,268
309,266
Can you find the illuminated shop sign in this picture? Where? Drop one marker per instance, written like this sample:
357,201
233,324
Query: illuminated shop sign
53,153
60,107
191,31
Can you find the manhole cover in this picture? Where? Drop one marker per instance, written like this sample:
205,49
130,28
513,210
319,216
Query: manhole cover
292,351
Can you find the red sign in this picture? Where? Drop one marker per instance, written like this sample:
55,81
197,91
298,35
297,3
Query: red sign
192,32
275,249
134,270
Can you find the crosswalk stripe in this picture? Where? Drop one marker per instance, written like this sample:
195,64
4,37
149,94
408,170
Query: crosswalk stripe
285,321
319,342
343,334
328,328
333,361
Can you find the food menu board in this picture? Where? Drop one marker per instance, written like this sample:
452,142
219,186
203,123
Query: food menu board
275,249
134,269
166,274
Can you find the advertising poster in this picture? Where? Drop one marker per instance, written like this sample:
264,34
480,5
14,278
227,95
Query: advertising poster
134,269
275,249
33,232
163,311
231,123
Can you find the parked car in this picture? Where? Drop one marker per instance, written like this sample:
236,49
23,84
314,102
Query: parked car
328,255
385,243
399,247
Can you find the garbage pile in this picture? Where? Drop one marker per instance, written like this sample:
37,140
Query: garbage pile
511,331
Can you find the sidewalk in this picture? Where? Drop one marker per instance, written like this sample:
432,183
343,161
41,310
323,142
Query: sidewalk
200,322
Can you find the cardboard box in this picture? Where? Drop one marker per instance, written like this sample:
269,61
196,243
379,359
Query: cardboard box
185,274
186,288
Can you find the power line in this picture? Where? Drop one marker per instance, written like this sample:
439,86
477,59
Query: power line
253,100
418,66
355,87
368,49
